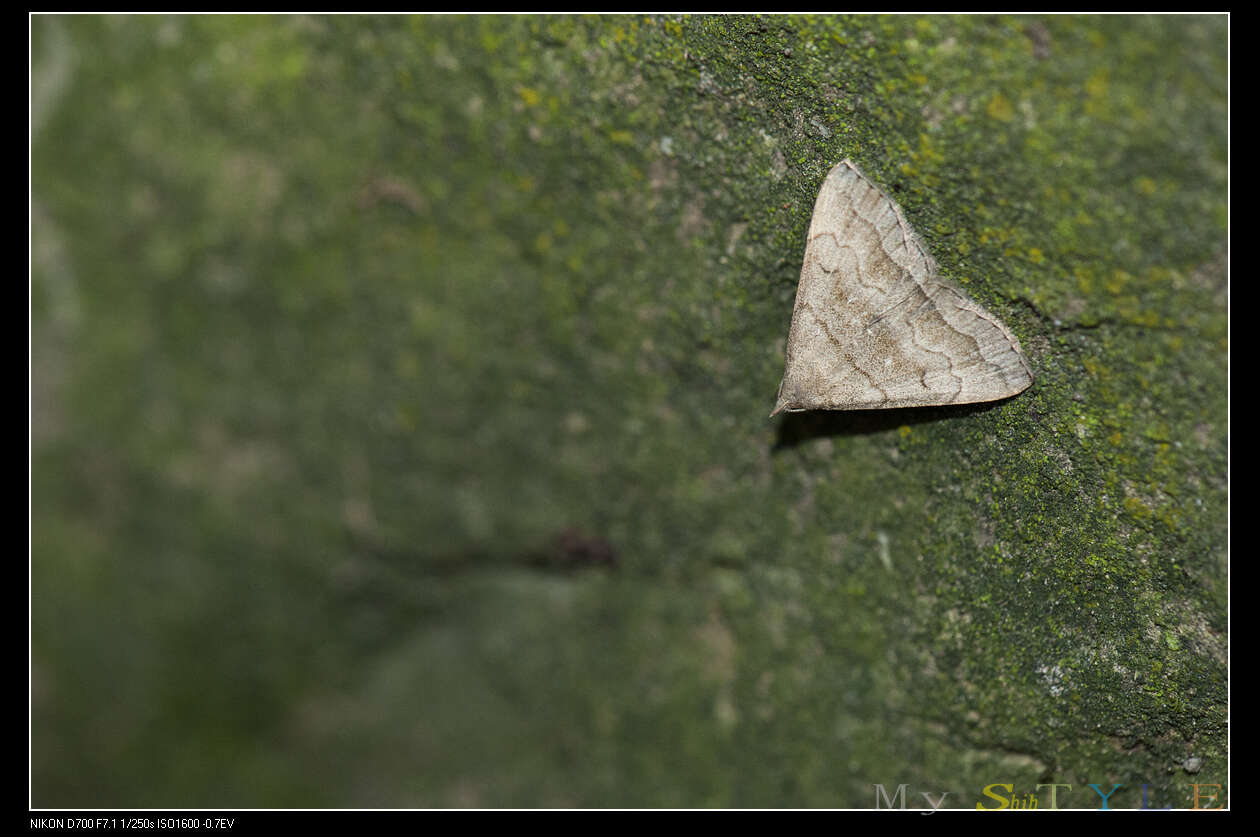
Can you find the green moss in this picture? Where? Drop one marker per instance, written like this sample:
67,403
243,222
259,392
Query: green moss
341,325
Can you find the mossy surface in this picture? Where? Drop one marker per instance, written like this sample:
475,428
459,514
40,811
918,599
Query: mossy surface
399,396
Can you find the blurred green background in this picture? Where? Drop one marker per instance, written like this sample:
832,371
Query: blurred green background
399,394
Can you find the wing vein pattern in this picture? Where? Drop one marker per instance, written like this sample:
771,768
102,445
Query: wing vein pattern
875,327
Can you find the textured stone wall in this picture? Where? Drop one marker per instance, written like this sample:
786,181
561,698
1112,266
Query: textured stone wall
399,394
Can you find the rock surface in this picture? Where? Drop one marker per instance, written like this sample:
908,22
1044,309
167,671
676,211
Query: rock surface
399,392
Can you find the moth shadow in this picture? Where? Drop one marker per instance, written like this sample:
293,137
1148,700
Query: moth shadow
816,424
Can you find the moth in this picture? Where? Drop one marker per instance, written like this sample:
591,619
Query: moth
875,326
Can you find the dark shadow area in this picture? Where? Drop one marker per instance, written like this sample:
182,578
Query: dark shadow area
813,424
570,550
